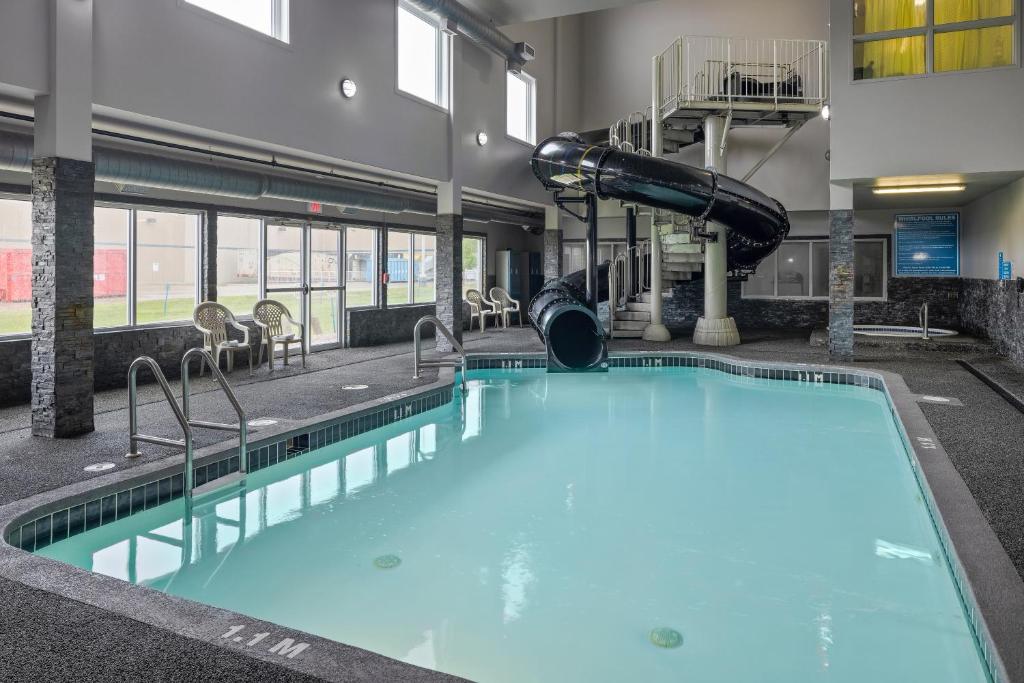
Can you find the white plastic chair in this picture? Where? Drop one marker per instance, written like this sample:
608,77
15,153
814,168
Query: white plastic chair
212,319
477,310
506,306
270,316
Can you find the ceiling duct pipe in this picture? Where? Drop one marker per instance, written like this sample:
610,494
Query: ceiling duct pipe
147,170
480,30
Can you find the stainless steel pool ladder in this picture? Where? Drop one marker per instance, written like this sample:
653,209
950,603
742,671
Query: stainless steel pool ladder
417,353
181,413
922,319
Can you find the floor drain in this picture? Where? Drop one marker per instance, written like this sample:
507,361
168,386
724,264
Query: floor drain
387,561
355,387
100,467
666,637
262,422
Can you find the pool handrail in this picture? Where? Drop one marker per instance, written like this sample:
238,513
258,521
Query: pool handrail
243,425
417,355
133,418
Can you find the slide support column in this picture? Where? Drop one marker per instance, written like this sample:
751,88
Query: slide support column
716,327
656,331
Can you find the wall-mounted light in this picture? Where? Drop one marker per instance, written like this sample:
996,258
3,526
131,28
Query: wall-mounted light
348,88
826,112
918,189
481,138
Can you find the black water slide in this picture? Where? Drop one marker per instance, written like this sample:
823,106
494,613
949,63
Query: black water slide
757,225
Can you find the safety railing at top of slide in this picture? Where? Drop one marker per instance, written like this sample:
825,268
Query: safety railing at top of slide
632,133
417,353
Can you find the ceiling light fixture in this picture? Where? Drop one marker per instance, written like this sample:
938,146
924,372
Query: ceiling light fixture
481,138
826,112
348,88
915,189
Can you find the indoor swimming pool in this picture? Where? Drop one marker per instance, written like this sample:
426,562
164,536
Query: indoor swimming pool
641,524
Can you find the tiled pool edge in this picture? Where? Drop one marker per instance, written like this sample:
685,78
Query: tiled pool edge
992,628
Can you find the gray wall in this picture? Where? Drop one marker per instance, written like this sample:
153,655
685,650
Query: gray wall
994,223
941,123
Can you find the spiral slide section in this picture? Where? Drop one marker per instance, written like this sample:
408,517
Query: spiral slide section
757,225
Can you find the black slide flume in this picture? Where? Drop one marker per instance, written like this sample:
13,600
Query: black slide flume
757,225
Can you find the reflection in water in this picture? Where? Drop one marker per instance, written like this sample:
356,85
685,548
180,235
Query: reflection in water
516,578
894,551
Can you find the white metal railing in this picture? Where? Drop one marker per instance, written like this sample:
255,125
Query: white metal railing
632,133
629,275
770,72
417,353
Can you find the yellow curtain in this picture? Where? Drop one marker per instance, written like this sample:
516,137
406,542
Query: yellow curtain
951,11
980,48
892,57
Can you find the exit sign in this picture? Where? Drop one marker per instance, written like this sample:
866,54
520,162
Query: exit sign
315,207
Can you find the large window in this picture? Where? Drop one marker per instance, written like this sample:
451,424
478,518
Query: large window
360,267
238,259
269,17
166,262
112,229
15,266
424,51
411,263
912,37
574,254
521,107
473,264
800,268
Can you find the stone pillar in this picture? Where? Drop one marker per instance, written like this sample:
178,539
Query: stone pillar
448,271
840,285
552,243
209,256
62,296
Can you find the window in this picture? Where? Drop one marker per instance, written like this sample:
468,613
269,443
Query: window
15,266
399,258
360,267
411,268
112,229
424,265
521,107
269,17
473,262
800,270
238,258
911,37
574,254
166,265
423,56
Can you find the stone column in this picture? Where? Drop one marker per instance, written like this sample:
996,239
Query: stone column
62,297
209,256
448,274
552,254
840,285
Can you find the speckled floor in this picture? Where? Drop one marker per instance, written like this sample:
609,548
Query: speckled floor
46,638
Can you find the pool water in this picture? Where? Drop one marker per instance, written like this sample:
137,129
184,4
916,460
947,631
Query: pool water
544,527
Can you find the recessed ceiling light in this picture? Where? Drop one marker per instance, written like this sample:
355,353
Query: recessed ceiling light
918,189
348,88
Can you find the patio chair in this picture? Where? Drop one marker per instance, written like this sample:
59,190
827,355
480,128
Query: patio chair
213,319
477,310
270,317
506,306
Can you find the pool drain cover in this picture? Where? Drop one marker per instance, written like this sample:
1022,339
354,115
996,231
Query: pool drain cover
355,387
100,467
262,422
666,637
387,561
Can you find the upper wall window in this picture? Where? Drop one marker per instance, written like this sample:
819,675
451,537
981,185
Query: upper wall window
912,37
269,17
424,51
521,103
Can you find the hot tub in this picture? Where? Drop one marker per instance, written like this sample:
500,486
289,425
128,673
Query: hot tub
910,331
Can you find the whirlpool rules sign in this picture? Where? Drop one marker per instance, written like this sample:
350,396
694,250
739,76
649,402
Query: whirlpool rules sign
928,244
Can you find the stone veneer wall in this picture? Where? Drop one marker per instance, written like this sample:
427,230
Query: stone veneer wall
994,309
374,326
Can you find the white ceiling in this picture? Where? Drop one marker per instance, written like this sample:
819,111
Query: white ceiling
506,12
977,186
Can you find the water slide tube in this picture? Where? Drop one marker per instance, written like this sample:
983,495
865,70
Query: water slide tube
756,224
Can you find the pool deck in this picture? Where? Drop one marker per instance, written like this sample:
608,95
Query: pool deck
48,637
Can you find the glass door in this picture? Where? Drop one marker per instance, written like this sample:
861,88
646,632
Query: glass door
303,267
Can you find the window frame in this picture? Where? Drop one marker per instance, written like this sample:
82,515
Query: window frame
280,20
411,284
482,239
531,108
133,263
929,30
260,260
375,284
443,59
809,241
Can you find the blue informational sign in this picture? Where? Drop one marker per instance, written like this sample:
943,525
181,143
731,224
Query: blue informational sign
928,244
1005,268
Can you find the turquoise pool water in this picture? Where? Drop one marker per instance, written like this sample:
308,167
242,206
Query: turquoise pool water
541,528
